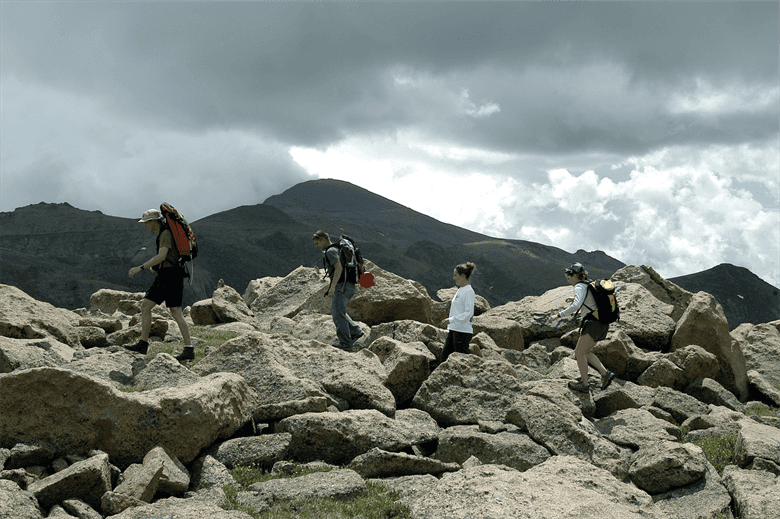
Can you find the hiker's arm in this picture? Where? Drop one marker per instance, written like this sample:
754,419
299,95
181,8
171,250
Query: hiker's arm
151,263
337,268
580,291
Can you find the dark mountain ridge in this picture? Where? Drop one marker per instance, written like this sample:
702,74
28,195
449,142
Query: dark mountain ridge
62,255
745,297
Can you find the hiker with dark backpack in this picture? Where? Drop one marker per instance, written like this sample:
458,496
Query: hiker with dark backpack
342,265
168,283
594,325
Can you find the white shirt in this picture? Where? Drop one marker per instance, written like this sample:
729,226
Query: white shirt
462,310
582,296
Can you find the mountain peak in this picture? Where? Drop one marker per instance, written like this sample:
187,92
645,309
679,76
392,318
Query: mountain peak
330,195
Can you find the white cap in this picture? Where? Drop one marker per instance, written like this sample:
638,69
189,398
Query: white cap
151,214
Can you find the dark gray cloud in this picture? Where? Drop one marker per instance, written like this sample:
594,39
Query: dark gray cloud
310,74
661,113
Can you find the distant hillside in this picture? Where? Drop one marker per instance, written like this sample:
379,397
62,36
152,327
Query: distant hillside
745,297
62,255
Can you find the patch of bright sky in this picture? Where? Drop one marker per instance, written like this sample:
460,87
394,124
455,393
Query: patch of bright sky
705,98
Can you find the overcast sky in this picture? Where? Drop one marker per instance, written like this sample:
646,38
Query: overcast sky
647,130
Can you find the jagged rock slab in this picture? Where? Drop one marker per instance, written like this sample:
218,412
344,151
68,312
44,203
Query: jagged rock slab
15,503
661,466
760,344
77,413
756,493
635,427
704,324
563,487
706,497
282,368
338,437
33,353
181,509
335,484
466,389
22,317
377,463
756,440
263,450
87,480
513,449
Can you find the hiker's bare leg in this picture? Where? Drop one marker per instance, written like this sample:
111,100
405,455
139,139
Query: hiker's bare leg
581,352
184,328
146,318
596,363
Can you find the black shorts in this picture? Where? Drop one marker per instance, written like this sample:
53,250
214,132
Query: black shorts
596,330
168,286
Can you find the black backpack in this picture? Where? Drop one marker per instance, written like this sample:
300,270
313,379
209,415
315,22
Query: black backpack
607,310
350,257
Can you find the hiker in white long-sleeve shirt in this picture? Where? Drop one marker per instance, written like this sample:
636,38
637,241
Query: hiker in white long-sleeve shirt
461,312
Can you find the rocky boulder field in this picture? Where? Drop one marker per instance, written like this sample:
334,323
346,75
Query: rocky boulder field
90,430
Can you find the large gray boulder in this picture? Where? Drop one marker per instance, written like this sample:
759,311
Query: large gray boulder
22,317
87,480
531,314
337,438
706,497
704,324
408,365
514,449
263,450
113,368
756,440
760,344
16,503
287,296
77,413
756,493
644,318
557,424
466,389
661,466
33,353
620,355
108,301
662,289
164,371
562,487
378,463
282,368
634,428
393,298
229,306
181,509
336,484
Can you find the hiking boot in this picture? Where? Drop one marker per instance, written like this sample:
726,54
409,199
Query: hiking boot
139,347
186,354
606,380
579,386
358,336
342,348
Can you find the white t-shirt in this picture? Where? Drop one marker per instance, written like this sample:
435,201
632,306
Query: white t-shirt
462,310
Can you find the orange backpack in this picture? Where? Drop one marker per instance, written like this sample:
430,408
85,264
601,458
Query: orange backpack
183,236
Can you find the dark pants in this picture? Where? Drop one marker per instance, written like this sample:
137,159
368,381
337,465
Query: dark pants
457,342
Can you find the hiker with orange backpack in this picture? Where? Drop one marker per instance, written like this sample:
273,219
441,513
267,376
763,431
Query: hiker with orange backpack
592,329
168,284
